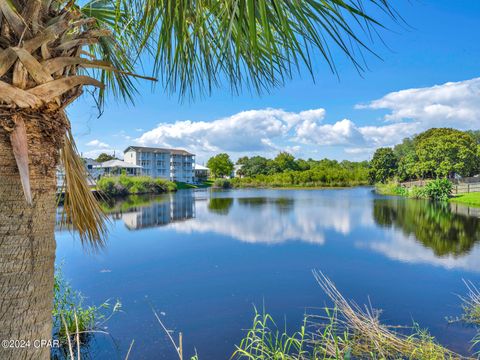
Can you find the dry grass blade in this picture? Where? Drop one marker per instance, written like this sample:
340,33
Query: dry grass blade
70,348
177,348
130,349
81,209
367,336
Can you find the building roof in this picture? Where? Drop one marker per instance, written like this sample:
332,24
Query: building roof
117,164
158,150
200,167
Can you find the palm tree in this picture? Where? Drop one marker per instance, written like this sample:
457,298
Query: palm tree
50,50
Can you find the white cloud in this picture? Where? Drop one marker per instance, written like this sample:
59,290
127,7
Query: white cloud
301,224
455,104
253,130
267,131
340,133
397,246
98,144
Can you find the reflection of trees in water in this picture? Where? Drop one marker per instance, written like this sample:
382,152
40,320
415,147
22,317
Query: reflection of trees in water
282,204
220,205
435,225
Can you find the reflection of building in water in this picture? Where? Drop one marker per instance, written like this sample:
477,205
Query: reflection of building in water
177,207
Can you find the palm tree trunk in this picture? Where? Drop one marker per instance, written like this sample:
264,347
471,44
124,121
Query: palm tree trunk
27,243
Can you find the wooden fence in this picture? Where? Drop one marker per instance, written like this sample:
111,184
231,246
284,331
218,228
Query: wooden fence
465,188
465,210
459,186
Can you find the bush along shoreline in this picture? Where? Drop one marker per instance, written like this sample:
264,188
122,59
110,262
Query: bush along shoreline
437,190
133,185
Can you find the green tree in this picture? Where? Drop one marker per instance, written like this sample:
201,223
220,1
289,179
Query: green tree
407,158
383,165
302,164
475,134
242,161
285,161
220,165
46,47
443,152
104,157
256,165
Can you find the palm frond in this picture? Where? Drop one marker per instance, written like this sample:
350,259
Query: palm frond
120,48
80,208
253,43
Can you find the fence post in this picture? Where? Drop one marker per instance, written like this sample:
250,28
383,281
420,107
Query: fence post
468,188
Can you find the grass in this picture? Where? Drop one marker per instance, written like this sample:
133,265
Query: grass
344,331
468,199
205,184
73,321
470,307
390,188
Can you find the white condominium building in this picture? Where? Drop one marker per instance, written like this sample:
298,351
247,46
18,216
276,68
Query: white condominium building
169,164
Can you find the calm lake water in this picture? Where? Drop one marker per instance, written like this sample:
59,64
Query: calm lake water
204,258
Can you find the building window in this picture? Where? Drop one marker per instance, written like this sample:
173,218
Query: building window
145,162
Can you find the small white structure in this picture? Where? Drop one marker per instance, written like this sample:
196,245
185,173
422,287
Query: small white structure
235,172
118,167
92,168
169,164
201,173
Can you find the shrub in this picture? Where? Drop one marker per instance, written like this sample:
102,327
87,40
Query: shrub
222,184
417,192
124,185
111,187
439,189
391,188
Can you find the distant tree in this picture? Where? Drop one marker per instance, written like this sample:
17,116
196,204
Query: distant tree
475,134
220,165
443,152
407,158
383,165
285,161
302,165
104,157
256,165
242,161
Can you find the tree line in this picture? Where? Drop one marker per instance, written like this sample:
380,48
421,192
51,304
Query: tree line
286,170
435,153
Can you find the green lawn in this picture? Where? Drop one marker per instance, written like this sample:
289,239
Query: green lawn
469,199
182,185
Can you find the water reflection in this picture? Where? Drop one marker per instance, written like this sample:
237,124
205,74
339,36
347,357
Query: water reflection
208,255
220,205
276,219
444,229
138,212
282,204
414,231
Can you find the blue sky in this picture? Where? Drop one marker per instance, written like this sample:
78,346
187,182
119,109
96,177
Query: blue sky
429,75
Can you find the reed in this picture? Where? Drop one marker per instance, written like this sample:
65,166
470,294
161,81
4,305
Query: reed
343,331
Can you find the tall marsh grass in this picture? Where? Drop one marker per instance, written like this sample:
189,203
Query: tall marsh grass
74,322
344,331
